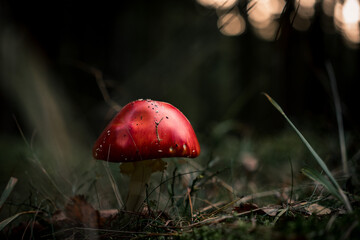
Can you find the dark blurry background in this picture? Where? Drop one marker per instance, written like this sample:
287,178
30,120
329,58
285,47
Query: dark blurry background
173,51
211,59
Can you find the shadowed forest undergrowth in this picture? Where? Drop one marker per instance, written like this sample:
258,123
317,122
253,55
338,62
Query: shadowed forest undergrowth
233,200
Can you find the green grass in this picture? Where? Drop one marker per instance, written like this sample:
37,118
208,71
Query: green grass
241,187
227,199
332,186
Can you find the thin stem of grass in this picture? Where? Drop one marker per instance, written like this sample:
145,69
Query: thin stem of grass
339,118
170,179
356,157
113,185
172,194
101,84
37,162
322,164
5,222
8,189
289,201
158,199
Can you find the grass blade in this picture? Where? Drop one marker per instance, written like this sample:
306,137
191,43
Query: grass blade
322,164
318,177
36,161
12,218
8,189
114,185
279,215
339,118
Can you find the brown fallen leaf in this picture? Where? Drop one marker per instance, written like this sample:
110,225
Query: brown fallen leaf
271,210
80,211
311,208
317,209
245,207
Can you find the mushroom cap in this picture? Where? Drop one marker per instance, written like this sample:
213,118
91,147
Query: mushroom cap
147,129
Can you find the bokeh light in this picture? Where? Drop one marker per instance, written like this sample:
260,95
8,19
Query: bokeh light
263,16
306,8
300,23
351,12
347,20
218,4
231,23
269,31
328,7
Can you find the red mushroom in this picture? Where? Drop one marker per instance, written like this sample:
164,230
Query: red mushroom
145,130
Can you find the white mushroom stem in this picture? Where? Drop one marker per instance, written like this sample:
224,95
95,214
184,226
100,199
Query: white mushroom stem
139,173
137,187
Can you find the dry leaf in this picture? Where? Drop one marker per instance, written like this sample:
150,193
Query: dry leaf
109,213
245,207
317,209
271,210
80,211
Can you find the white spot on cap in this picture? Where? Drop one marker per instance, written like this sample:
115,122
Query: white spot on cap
160,150
184,147
171,150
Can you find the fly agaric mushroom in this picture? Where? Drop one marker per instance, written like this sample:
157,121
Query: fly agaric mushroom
139,135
